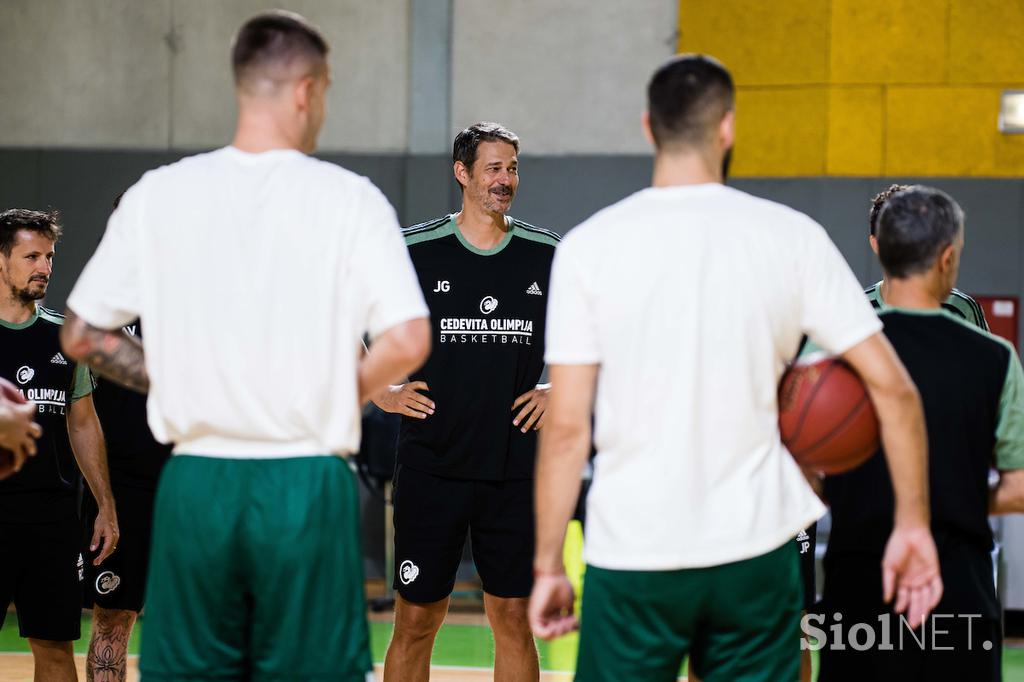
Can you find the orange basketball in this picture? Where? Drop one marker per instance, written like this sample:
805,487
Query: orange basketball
826,419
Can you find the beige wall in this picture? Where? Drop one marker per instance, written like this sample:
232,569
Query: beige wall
567,76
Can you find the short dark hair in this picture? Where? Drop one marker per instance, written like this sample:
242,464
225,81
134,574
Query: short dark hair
686,98
275,37
468,141
878,202
46,223
914,227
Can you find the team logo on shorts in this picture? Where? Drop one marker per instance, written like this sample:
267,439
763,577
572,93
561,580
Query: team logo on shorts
107,582
25,373
488,305
408,572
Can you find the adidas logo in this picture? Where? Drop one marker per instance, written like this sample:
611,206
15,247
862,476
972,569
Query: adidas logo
58,359
535,290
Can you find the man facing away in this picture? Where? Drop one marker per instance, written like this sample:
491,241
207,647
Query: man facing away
958,303
256,571
468,442
41,571
695,502
972,388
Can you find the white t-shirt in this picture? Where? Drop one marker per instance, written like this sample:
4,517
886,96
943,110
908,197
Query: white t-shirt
255,276
692,300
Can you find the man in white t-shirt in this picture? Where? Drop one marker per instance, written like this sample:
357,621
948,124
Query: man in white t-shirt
695,501
256,567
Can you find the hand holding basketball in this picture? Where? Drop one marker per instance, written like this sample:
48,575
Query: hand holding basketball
18,431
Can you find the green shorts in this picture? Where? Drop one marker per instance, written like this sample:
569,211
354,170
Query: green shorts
738,622
255,573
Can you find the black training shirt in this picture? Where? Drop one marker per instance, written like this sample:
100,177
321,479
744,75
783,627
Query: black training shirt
487,317
46,488
971,388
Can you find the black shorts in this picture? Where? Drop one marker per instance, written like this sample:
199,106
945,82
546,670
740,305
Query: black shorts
120,581
41,572
432,517
954,644
951,647
806,541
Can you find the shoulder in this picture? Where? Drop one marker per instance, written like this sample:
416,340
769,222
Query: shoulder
50,316
966,306
971,339
428,231
525,230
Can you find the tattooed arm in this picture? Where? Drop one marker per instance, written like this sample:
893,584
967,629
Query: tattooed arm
112,354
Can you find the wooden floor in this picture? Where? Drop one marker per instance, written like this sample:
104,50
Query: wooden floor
18,668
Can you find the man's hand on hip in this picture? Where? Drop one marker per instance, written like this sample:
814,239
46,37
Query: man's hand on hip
406,399
534,403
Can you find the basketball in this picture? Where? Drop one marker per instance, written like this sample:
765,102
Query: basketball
826,419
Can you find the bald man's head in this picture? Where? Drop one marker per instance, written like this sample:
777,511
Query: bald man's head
274,48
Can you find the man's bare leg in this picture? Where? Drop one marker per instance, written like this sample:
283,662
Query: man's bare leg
515,653
416,626
108,648
54,661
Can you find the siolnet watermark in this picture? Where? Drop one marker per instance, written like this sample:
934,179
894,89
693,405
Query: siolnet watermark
889,632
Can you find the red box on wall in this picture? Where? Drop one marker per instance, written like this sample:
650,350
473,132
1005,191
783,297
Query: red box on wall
1002,313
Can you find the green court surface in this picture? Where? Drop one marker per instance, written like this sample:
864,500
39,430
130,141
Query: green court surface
470,646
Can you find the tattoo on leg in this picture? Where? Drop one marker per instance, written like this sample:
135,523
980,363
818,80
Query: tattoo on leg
108,649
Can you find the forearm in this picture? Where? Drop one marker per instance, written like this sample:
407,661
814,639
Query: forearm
1008,496
112,354
90,453
393,355
563,453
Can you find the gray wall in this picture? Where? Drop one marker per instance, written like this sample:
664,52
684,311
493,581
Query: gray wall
408,74
556,192
155,74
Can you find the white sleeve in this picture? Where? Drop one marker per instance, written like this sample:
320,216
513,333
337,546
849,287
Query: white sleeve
107,294
383,271
571,326
836,313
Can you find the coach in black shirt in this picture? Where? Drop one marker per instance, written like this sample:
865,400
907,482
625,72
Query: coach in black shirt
972,389
41,569
468,438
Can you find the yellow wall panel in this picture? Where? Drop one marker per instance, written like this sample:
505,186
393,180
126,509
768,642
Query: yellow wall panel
986,41
899,41
855,131
866,87
949,131
761,42
780,132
